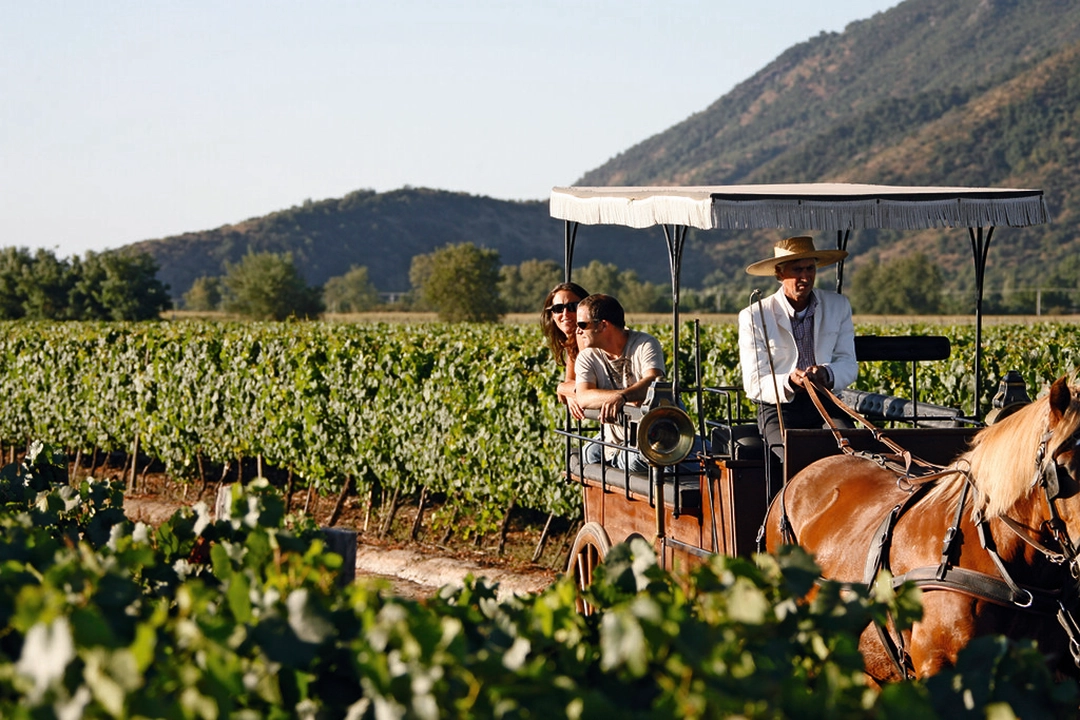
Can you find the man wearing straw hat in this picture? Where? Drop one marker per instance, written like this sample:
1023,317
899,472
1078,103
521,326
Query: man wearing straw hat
795,336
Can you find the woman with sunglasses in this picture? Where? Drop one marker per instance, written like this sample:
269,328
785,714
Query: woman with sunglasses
558,318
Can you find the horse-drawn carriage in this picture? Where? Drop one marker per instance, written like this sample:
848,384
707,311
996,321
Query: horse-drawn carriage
724,506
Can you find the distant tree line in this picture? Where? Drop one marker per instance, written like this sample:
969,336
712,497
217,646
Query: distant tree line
262,286
268,286
466,283
908,285
114,285
461,282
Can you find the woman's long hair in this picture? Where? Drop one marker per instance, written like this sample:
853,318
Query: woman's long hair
563,348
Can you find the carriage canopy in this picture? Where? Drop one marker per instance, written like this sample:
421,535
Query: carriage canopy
809,206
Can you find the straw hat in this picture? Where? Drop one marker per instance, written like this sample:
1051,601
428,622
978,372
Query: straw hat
795,248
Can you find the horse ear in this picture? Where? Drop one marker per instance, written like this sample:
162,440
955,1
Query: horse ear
1060,397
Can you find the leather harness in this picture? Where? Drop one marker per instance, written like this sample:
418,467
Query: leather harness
916,477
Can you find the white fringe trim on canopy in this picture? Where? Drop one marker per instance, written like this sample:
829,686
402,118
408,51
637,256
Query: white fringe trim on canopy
813,206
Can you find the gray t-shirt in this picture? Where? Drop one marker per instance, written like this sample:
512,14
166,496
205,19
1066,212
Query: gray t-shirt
641,353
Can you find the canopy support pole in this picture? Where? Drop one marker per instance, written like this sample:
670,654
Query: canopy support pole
842,237
676,237
980,247
569,237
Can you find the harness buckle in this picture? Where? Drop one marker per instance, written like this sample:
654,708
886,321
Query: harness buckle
1027,603
1056,525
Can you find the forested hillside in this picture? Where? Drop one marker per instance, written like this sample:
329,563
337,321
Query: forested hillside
384,231
1015,134
964,92
946,92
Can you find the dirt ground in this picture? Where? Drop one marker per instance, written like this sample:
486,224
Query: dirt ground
415,559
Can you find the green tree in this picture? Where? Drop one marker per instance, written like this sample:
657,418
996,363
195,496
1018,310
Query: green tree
634,294
267,286
45,285
204,294
351,292
101,286
712,299
460,282
14,265
523,287
117,286
907,285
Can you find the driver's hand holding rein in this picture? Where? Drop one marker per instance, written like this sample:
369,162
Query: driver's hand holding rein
820,375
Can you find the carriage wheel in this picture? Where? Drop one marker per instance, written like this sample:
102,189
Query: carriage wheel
591,546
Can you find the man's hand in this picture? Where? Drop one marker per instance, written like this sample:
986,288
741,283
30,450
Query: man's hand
612,406
576,411
816,374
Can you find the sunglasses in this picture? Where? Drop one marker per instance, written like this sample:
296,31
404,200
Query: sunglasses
584,324
570,307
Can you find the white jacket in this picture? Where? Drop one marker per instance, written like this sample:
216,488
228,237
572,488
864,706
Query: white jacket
834,344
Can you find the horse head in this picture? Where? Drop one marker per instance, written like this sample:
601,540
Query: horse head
1031,450
1060,462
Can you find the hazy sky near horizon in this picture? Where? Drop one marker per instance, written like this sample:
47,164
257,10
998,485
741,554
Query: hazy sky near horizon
130,120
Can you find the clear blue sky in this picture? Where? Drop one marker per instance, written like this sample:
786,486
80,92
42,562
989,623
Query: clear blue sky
123,121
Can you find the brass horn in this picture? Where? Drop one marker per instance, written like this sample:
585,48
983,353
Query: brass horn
665,435
665,432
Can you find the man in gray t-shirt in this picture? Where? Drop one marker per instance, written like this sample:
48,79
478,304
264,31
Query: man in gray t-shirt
615,366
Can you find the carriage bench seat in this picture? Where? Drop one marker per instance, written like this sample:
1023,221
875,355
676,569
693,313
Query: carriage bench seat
876,406
689,485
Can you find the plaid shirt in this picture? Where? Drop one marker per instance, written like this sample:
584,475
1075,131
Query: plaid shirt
803,330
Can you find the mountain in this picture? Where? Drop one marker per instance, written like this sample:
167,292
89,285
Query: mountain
936,92
920,49
384,231
942,92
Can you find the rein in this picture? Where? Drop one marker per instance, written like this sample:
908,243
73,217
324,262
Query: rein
929,470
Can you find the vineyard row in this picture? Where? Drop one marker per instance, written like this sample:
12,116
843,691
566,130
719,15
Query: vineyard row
463,410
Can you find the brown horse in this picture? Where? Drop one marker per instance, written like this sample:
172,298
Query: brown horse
1011,505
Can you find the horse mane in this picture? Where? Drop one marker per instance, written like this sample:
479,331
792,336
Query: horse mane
1001,460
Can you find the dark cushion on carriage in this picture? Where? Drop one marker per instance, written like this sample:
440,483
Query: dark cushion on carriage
689,485
876,406
739,442
903,348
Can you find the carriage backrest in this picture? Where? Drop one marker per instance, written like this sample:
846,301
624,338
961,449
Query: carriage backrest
904,348
901,348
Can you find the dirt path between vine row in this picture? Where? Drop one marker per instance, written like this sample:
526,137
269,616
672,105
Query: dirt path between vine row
412,570
418,574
